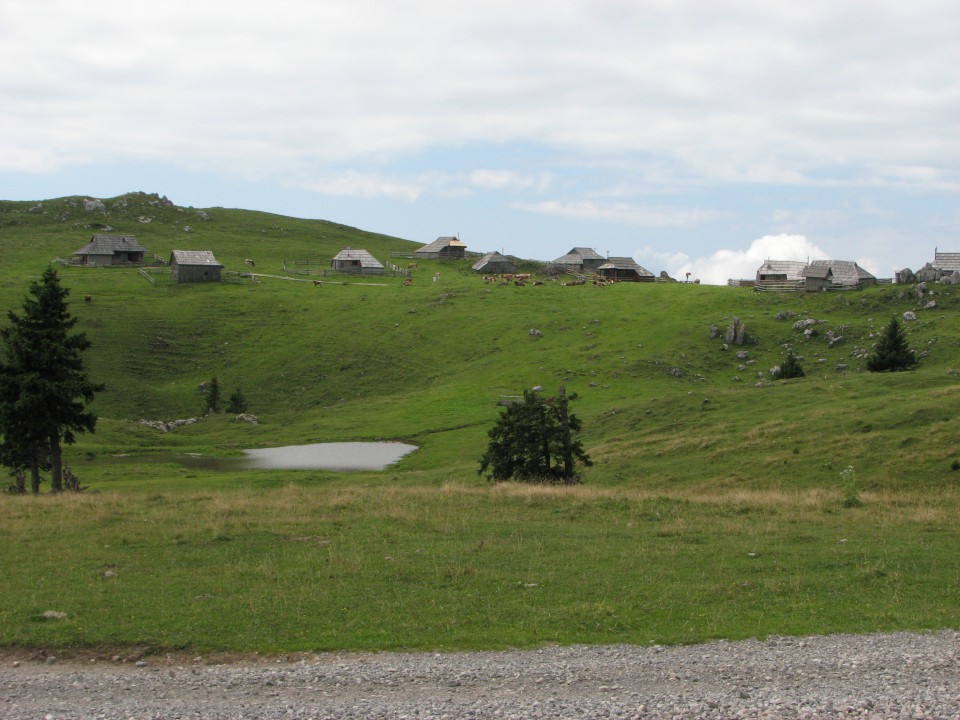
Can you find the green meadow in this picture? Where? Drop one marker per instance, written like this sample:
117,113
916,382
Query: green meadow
722,503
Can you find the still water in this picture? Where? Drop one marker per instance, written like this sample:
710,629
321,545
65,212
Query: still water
339,456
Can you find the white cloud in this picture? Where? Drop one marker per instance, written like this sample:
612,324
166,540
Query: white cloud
745,92
366,185
510,180
624,213
722,265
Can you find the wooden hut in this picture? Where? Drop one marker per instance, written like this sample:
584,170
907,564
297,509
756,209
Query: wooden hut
817,277
625,269
579,259
494,263
781,271
443,248
356,260
194,266
107,250
844,273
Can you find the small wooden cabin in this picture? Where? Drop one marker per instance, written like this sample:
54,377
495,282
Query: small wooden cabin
494,263
625,269
443,248
817,277
194,266
356,260
107,250
579,259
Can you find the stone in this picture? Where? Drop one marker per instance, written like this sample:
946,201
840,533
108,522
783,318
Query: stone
93,204
714,331
248,418
909,316
736,333
803,324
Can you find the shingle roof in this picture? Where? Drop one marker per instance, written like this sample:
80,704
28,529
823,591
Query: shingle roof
821,272
109,244
194,257
625,263
845,272
793,269
440,243
577,255
492,257
946,261
366,259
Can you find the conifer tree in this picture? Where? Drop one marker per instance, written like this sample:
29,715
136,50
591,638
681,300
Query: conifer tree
535,441
44,388
892,353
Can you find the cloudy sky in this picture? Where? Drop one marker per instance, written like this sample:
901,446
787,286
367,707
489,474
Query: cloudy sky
697,136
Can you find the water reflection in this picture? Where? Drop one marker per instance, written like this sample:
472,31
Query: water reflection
339,456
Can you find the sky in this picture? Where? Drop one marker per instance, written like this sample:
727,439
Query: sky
692,135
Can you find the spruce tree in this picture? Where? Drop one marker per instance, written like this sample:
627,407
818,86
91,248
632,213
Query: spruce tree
44,388
236,403
892,353
535,441
791,367
212,398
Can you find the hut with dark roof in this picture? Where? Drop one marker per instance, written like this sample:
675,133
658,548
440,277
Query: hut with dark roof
625,269
194,266
107,250
358,261
443,248
494,263
579,259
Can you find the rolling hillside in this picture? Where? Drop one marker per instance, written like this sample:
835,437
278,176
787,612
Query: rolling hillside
661,400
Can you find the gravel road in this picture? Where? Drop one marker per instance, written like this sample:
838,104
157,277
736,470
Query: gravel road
900,675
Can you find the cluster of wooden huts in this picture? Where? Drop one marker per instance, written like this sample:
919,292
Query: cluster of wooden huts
201,265
120,250
812,276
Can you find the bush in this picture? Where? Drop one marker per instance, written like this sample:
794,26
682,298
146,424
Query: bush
791,368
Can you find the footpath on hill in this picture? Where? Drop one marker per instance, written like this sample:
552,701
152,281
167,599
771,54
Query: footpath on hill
901,675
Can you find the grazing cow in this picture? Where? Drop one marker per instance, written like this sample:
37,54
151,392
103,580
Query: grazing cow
408,282
522,276
519,283
88,298
507,277
250,263
318,283
411,266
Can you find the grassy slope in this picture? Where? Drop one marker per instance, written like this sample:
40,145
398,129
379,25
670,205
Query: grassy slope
694,474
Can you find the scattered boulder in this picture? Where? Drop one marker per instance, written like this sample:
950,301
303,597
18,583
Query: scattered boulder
676,372
928,273
930,305
167,426
248,418
800,325
832,338
714,331
201,215
736,333
909,316
54,615
92,204
810,332
187,229
535,333
784,315
743,355
921,289
906,277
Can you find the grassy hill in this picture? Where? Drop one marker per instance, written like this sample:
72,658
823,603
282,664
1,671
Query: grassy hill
697,451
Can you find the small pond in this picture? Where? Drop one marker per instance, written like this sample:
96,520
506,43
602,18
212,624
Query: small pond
338,456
